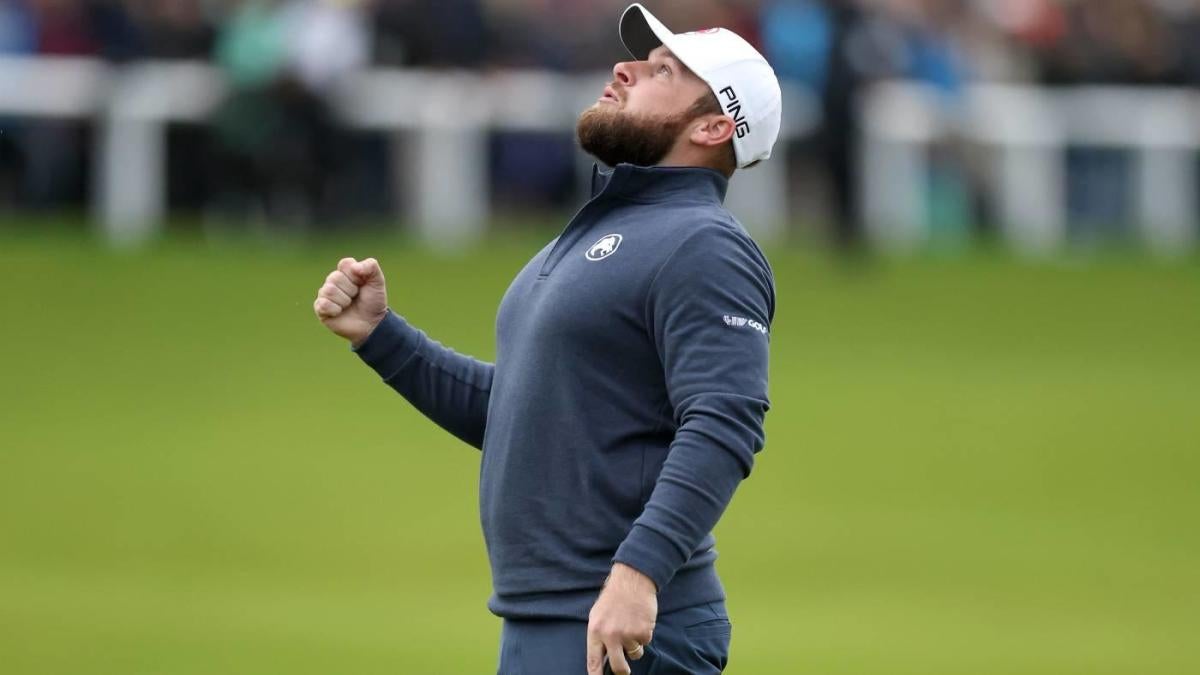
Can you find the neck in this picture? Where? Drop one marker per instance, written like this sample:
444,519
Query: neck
660,183
687,154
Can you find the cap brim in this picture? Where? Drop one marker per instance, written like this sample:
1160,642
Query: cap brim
641,32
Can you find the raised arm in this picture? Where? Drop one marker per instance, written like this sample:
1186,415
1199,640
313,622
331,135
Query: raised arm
449,388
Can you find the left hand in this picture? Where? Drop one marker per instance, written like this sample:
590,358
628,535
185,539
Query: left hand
621,622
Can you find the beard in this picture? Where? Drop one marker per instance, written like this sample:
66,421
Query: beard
615,137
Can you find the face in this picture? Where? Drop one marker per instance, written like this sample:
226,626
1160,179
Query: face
643,112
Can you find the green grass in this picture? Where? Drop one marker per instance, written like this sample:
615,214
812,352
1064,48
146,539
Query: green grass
973,466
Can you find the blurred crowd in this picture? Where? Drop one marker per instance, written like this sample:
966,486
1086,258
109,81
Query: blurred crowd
280,56
1128,41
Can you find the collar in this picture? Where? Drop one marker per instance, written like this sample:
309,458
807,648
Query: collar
659,183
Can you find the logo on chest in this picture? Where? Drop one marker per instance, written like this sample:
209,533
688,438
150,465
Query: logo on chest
607,246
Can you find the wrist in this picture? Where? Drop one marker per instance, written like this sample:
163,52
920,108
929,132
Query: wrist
629,577
358,340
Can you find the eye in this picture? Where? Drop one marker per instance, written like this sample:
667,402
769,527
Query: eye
664,69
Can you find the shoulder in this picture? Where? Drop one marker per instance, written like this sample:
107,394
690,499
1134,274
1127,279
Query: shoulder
715,255
713,238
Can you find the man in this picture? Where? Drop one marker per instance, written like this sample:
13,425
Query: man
630,384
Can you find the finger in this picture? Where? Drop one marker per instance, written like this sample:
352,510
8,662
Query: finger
595,655
633,650
346,267
367,270
616,658
332,292
326,308
338,278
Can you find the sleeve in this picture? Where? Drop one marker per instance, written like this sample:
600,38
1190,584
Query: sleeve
447,387
710,309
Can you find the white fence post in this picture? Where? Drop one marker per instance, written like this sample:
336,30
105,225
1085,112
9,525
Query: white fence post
130,181
1166,175
1032,197
130,177
1020,126
448,184
899,121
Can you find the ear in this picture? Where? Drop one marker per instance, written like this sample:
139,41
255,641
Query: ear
712,130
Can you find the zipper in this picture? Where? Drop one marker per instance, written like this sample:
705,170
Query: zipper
581,223
566,241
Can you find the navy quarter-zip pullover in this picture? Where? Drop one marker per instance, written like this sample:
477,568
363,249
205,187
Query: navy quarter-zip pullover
627,398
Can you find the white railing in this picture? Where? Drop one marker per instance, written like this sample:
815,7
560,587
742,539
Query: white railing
1023,133
444,116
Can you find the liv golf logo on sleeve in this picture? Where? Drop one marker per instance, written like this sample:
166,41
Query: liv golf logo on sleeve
742,322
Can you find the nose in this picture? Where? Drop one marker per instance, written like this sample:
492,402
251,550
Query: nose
623,72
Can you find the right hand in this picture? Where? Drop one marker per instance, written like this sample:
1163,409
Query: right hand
353,299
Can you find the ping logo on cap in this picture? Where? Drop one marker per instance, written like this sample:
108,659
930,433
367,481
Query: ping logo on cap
734,108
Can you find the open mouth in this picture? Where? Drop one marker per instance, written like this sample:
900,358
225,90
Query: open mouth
610,95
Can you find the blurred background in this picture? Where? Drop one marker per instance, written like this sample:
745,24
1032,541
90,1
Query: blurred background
982,216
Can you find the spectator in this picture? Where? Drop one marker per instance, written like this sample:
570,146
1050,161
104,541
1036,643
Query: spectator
449,33
174,29
1186,28
62,28
797,40
116,35
326,39
1112,42
18,32
277,143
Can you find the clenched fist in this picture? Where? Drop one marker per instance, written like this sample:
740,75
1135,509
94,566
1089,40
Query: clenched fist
353,299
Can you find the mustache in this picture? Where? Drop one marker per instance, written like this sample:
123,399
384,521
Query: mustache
618,90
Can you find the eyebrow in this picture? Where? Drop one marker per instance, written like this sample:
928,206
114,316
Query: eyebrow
666,54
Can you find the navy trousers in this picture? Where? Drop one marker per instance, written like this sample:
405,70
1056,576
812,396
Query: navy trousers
691,641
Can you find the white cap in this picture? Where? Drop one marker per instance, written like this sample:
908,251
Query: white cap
740,77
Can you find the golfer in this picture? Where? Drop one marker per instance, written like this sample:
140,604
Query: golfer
627,398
